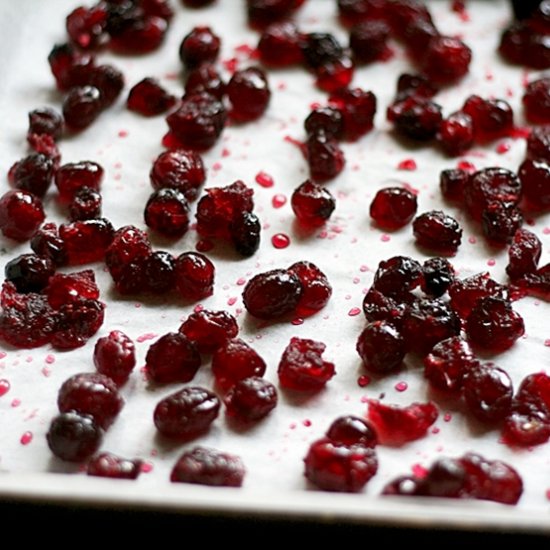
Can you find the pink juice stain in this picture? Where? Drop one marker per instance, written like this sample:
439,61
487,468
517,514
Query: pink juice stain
204,245
146,467
408,165
354,311
50,359
146,336
280,240
503,147
264,179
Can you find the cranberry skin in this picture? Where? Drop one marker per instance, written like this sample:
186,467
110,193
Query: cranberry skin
85,26
209,330
466,293
74,437
397,276
205,79
280,45
159,8
319,49
536,101
200,46
403,486
534,393
316,289
381,347
416,118
340,468
91,394
45,121
66,63
159,272
538,144
492,118
312,204
437,231
73,287
352,430
351,11
452,183
393,208
132,279
194,276
335,75
523,254
81,107
378,307
76,323
21,214
145,35
72,177
186,413
368,40
251,399
272,294
86,241
500,222
325,119
29,272
418,37
535,184
493,325
446,60
167,213
115,356
264,12
172,358
456,133
86,205
438,275
114,467
47,243
324,156
245,232
445,478
129,245
249,94
526,430
401,13
235,361
205,466
33,173
148,98
358,108
414,85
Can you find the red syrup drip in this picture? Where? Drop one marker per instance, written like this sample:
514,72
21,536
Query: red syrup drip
4,387
26,438
265,180
280,240
278,201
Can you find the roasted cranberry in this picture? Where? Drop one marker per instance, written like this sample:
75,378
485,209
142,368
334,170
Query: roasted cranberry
402,13
280,45
358,109
272,294
45,121
536,101
381,347
535,184
324,156
397,276
66,62
446,59
316,289
73,176
199,121
334,75
398,425
492,118
172,358
194,276
167,212
205,79
523,254
418,37
159,271
33,173
186,413
235,360
85,26
538,144
114,467
129,244
81,107
21,214
393,208
251,399
74,437
352,430
76,323
200,46
335,467
264,12
47,243
452,183
205,466
414,85
29,272
467,292
416,118
526,429
245,232
500,222
143,35
438,274
249,94
368,40
325,119
378,307
351,11
131,278
149,98
320,48
86,205
72,287
115,356
86,241
107,79
456,133
209,330
437,231
91,394
312,204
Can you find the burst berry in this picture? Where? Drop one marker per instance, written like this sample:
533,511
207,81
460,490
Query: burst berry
71,288
251,399
465,293
325,119
149,98
316,289
280,45
378,307
86,241
114,467
47,243
324,156
21,214
523,254
200,46
536,101
205,79
381,347
33,173
209,330
437,231
74,437
456,133
416,118
76,323
159,272
352,430
115,356
86,26
29,272
446,59
397,276
358,109
393,208
45,121
245,233
74,176
107,79
249,94
81,107
438,274
86,205
351,11
452,183
334,75
414,85
167,212
67,63
535,184
194,276
264,12
320,48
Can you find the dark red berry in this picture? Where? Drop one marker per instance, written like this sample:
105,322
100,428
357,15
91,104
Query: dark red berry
523,254
465,293
47,243
74,176
452,183
351,11
335,75
86,241
312,204
209,330
393,208
438,274
114,467
86,26
33,173
381,347
418,37
538,144
535,184
368,40
74,437
21,214
200,46
29,272
378,307
76,323
397,276
358,109
249,94
536,101
143,35
205,79
131,278
129,245
456,133
404,12
414,85
167,213
352,430
251,399
500,222
492,118
437,231
149,98
67,63
159,8
81,107
73,287
446,59
525,429
324,156
325,119
245,232
280,45
320,48
159,272
43,144
107,79
194,276
316,289
86,205
264,12
45,121
416,118
115,356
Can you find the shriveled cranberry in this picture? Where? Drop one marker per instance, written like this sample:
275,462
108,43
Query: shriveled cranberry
325,119
312,204
398,425
381,347
115,356
526,429
45,121
29,272
368,40
107,79
534,393
416,118
81,107
378,307
33,173
437,231
47,243
316,289
86,26
86,241
397,276
493,325
465,293
167,212
245,232
251,399
72,287
200,46
21,214
414,85
535,184
492,118
272,294
320,48
249,94
205,466
160,272
66,63
149,98
73,176
264,12
335,74
536,101
142,35
452,183
523,254
205,79
129,244
235,360
335,467
446,59
404,12
538,144
500,222
74,437
172,358
351,11
324,156
76,323
393,208
194,276
352,430
209,330
280,45
114,467
438,274
186,413
358,108
131,279
86,205
456,133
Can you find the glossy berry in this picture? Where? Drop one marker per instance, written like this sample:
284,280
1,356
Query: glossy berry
393,208
249,94
316,289
66,63
438,274
492,118
140,36
358,108
76,323
159,269
405,12
129,245
29,272
74,176
251,399
33,173
500,222
45,121
280,45
86,26
198,47
418,37
167,212
71,288
324,156
74,437
351,11
21,214
113,467
320,48
352,430
264,12
107,79
47,243
446,59
194,276
325,119
86,205
149,98
397,276
416,118
538,144
465,293
209,330
437,231
81,107
452,183
368,40
536,101
86,241
245,233
414,85
456,133
205,79
535,184
115,356
377,307
381,347
524,254
312,204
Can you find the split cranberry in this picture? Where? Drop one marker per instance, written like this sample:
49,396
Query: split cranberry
129,245
71,288
280,45
209,330
523,254
167,212
320,48
159,271
324,156
198,47
381,347
316,289
446,59
325,119
149,98
115,356
264,12
21,214
47,243
251,399
368,40
205,79
452,183
492,118
416,118
86,26
397,276
335,75
393,208
456,133
131,278
186,413
74,176
194,276
249,94
535,184
245,233
351,11
86,205
33,173
205,466
67,63
465,293
500,222
538,144
81,107
536,101
312,204
141,36
358,109
114,467
438,274
352,430
76,323
29,272
86,241
378,307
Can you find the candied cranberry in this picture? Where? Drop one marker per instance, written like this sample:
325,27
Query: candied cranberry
438,274
325,119
74,176
66,62
534,392
130,279
280,45
393,208
538,144
513,43
81,107
194,276
343,468
33,173
205,79
235,360
45,121
107,79
397,276
352,430
86,205
44,144
186,413
144,35
403,486
535,184
456,133
114,467
74,437
312,204
86,26
272,294
324,156
437,231
320,48
523,254
264,12
492,118
205,466
447,364
381,347
445,478
416,118
72,287
452,183
159,271
446,59
129,244
115,356
172,358
467,292
536,101
86,241
358,109
351,11
21,214
316,289
76,323
525,429
418,37
414,85
500,222
91,394
251,399
493,325
29,272
200,46
368,40
401,13
149,98
209,330
245,232
47,243
199,121
335,74
398,425
167,212
378,307
249,94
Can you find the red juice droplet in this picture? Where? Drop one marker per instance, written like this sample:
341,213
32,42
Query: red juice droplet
354,311
26,438
447,417
16,402
466,166
297,321
4,387
231,301
419,471
263,179
503,147
146,467
123,133
547,343
407,164
307,423
363,381
385,238
198,308
401,386
280,240
278,201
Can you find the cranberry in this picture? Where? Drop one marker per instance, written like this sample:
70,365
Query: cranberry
149,98
523,254
335,75
208,467
249,94
172,358
352,430
393,208
86,205
500,222
438,274
272,294
66,62
452,183
29,272
186,413
199,121
403,486
416,118
86,26
437,231
414,85
264,12
280,45
378,307
205,79
194,276
320,48
456,133
312,204
74,176
492,118
398,425
446,478
129,244
397,276
45,121
381,347
418,37
76,323
467,292
316,289
131,277
160,272
368,40
44,144
115,356
86,241
358,109
21,214
107,79
534,393
538,144
167,212
209,330
114,467
74,437
33,173
536,101
493,325
200,46
351,11
245,232
159,8
335,467
446,59
535,184
402,13
73,287
526,429
47,243
251,399
325,158
325,119
144,35
81,107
